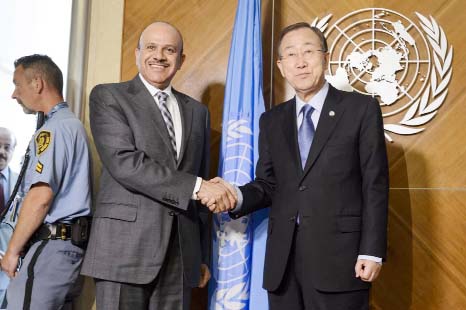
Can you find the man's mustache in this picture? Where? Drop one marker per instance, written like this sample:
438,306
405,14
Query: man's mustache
160,63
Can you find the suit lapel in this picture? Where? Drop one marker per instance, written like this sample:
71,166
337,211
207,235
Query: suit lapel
147,104
186,112
331,113
290,131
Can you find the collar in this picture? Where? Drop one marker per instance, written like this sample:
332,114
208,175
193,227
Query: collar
154,90
5,173
56,108
317,102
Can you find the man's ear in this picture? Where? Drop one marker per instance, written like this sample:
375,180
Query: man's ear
326,59
38,83
137,54
280,67
181,61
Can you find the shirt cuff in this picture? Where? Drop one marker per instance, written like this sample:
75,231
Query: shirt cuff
372,258
197,187
239,201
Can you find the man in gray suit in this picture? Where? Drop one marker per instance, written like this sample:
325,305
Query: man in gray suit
7,176
7,182
148,244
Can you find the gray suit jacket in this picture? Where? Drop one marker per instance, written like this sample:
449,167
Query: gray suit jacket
142,188
6,227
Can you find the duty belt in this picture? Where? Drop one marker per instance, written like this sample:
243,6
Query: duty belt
61,231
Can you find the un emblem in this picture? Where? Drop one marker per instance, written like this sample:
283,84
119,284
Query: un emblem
233,238
382,53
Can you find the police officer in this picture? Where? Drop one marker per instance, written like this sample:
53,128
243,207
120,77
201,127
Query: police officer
57,194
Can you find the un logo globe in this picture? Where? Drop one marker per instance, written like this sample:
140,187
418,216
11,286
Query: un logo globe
382,53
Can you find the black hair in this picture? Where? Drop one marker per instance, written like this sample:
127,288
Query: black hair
43,65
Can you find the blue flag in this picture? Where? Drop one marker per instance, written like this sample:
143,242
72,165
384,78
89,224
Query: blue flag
238,262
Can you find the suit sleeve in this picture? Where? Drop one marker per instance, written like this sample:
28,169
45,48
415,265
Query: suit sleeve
375,183
131,167
258,194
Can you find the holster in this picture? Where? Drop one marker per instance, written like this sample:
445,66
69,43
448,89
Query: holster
80,230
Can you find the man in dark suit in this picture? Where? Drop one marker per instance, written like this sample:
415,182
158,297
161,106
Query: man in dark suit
323,171
148,245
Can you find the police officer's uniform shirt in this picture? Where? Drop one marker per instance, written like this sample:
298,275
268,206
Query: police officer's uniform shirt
60,157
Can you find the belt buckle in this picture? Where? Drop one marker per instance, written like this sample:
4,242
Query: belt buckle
62,228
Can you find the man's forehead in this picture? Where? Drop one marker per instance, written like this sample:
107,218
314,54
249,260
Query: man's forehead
20,71
160,32
300,37
5,137
301,44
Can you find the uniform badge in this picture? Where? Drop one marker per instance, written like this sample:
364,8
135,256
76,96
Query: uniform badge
39,167
43,140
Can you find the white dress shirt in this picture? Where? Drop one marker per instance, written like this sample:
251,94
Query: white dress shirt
174,109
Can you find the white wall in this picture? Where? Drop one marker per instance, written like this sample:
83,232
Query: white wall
29,27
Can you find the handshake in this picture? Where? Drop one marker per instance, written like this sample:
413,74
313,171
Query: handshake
217,195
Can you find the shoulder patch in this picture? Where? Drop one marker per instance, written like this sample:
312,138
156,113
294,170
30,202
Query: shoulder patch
39,167
43,140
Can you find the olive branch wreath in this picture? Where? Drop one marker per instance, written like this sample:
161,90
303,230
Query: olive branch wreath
421,111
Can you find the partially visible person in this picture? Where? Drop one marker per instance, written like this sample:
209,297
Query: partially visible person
323,171
7,176
148,245
7,182
55,195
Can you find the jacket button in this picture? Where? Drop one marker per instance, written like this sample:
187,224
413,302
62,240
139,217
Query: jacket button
293,219
302,188
171,213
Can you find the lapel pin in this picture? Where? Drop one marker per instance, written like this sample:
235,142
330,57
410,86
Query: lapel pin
331,113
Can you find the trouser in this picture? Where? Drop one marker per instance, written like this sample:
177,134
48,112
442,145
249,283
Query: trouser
291,296
48,278
166,291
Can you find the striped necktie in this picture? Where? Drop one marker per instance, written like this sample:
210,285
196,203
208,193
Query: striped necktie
167,117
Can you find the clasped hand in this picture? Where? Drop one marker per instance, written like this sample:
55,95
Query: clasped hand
217,195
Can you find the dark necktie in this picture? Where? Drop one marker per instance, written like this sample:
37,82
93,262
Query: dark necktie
305,133
167,117
2,196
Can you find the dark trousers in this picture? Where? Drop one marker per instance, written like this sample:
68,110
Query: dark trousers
166,291
291,296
